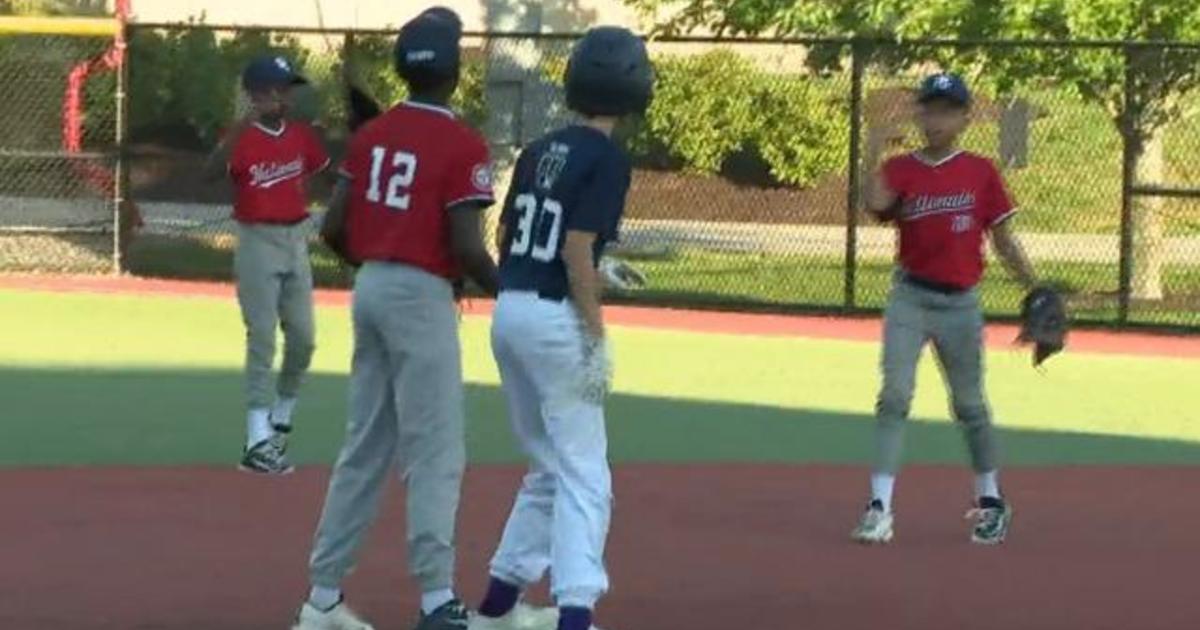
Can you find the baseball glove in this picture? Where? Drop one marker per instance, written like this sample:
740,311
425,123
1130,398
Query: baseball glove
1043,323
618,274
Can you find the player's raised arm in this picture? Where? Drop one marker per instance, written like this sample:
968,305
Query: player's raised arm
216,165
882,201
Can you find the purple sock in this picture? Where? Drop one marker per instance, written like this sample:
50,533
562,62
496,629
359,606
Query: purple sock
574,618
501,597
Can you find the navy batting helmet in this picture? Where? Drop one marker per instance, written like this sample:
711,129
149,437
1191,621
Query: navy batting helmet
609,74
427,49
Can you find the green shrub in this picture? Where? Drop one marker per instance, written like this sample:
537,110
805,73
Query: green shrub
800,132
712,107
185,81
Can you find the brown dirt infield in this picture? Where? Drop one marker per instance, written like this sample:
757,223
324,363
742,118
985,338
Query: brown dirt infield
703,547
854,329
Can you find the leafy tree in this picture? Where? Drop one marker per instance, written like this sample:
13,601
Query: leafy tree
1161,76
53,7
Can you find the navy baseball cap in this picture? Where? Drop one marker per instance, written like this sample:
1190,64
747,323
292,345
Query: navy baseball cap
946,87
268,72
428,45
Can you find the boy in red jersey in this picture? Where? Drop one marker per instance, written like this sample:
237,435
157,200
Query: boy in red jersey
269,158
943,200
407,208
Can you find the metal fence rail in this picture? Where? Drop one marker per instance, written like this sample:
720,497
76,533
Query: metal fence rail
749,164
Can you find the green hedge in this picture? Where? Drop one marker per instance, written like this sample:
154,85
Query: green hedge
711,108
183,83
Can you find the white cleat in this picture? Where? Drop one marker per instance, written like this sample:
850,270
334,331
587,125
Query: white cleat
522,617
339,617
875,528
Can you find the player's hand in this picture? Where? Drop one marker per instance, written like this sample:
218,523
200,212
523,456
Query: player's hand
618,274
595,377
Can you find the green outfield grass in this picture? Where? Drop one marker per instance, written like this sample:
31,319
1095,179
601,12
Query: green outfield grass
94,380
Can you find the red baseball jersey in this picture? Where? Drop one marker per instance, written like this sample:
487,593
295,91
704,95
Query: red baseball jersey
407,167
269,168
946,208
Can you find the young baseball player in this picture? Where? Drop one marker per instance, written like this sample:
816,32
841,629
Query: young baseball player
548,337
942,200
407,207
269,158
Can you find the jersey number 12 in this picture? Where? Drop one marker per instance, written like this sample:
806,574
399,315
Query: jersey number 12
397,196
531,217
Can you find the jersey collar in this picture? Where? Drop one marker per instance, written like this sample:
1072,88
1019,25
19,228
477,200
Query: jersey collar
928,162
430,108
274,133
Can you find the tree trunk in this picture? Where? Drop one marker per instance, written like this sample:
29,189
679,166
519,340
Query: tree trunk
1148,242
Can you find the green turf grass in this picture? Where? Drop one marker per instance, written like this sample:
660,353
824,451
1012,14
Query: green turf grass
137,380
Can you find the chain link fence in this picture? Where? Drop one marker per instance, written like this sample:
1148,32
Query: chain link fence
749,164
56,209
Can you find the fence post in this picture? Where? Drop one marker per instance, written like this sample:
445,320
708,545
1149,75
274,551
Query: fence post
854,179
347,54
1129,150
121,138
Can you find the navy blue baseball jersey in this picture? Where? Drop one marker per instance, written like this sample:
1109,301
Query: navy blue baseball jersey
575,178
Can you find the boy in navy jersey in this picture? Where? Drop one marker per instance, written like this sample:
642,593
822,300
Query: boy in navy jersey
564,206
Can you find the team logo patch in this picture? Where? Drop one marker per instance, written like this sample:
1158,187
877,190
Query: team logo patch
482,177
551,165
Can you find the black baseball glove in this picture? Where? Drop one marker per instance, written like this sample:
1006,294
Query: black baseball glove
1043,323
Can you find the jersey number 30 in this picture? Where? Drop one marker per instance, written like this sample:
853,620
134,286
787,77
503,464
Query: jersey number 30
404,167
532,217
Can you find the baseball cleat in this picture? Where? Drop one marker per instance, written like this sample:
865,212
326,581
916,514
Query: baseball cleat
875,527
279,437
521,617
340,617
265,458
452,615
992,520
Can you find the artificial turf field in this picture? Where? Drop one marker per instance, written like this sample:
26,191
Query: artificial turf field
739,469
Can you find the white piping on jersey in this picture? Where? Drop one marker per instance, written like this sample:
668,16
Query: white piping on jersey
929,205
480,197
271,132
430,108
1004,217
930,213
927,162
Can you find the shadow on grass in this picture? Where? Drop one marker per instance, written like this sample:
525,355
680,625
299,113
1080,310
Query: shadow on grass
180,417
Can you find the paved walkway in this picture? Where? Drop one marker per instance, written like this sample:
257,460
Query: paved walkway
874,242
